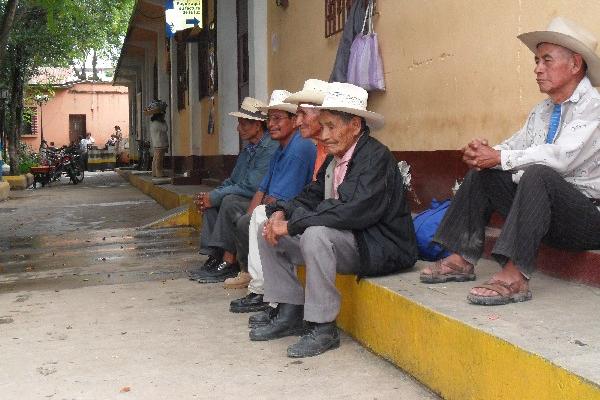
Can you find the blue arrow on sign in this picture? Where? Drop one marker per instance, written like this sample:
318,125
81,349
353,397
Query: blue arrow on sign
193,21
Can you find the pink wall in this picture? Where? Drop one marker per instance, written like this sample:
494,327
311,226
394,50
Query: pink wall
103,104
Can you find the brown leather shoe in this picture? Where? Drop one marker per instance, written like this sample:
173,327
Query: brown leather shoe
241,281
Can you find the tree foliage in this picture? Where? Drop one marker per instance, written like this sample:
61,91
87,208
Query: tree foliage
55,33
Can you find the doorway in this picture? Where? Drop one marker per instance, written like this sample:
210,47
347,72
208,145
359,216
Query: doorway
76,127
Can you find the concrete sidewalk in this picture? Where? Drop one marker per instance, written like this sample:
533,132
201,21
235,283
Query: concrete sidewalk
92,307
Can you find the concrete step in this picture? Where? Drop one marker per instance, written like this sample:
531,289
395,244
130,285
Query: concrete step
547,348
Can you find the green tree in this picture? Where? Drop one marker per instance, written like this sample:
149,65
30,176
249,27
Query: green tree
54,33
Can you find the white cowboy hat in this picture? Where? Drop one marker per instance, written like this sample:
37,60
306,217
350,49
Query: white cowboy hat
313,92
351,99
277,102
566,33
250,110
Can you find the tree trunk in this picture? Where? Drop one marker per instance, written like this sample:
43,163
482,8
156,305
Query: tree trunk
15,112
94,64
7,22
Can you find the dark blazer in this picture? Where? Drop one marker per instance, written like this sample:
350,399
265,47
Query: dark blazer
372,204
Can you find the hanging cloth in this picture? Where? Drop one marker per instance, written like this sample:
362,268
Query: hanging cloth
365,68
352,27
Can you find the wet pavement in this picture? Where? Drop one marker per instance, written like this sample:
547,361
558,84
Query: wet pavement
91,307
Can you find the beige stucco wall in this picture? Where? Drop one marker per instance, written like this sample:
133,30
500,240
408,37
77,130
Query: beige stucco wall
103,104
454,69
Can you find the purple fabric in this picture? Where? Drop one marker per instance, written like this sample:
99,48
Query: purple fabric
365,68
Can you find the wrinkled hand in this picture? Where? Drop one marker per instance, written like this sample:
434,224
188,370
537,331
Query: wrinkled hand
275,227
479,155
202,201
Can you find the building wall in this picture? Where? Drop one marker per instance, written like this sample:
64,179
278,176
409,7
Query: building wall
103,104
454,70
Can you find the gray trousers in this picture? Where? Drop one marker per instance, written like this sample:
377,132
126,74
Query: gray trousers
543,207
219,225
324,251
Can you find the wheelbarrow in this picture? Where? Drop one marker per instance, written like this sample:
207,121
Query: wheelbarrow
42,174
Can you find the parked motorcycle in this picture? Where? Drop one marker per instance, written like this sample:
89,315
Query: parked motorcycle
67,161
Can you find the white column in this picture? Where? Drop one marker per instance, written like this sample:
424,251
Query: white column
258,49
228,80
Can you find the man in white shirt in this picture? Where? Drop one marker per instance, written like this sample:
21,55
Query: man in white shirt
545,179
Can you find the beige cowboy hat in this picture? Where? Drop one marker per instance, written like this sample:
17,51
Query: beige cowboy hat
351,99
277,102
313,92
568,34
250,110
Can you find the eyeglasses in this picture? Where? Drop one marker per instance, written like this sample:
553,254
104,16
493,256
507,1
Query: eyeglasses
276,119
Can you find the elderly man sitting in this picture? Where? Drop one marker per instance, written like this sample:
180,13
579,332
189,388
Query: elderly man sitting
353,220
216,236
545,179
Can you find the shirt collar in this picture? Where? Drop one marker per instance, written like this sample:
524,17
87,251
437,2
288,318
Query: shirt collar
295,137
580,90
348,154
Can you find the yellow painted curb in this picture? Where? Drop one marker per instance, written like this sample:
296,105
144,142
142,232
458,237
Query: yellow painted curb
451,358
177,217
4,190
168,200
16,182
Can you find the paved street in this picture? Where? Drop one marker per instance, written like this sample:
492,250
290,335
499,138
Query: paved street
93,308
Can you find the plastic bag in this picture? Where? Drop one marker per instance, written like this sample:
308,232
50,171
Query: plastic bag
365,68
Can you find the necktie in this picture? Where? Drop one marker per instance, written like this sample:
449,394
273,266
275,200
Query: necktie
554,120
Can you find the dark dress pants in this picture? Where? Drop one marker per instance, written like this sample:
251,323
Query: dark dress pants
219,224
543,207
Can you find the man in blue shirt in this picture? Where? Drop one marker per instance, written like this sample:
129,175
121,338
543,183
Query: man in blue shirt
216,236
290,169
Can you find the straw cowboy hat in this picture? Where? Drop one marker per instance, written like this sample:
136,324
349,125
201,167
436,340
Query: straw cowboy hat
156,106
277,102
351,99
313,92
566,33
250,110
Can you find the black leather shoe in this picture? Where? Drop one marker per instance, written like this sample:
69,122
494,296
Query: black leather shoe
209,265
319,339
287,322
251,303
223,271
262,318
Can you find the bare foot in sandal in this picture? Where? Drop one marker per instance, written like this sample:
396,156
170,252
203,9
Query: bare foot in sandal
452,268
506,286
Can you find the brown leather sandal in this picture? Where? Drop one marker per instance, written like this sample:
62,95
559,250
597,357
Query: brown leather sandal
457,273
507,293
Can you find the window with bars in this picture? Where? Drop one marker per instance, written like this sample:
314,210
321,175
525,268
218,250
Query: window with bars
30,121
336,12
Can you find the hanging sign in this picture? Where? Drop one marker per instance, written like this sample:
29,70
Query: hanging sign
183,14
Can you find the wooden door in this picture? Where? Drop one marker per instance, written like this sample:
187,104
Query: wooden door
76,127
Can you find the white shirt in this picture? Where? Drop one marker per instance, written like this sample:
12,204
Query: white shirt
575,153
83,144
158,134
